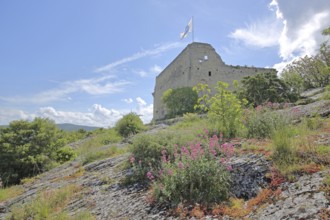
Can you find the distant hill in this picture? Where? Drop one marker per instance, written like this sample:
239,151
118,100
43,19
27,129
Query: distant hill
73,127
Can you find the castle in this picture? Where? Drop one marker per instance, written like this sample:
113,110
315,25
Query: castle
197,63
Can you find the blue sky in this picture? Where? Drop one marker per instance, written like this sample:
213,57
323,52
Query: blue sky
90,62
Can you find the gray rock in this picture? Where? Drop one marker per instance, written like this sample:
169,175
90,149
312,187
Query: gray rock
301,200
311,92
248,175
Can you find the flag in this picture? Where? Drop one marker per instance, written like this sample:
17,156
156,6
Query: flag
187,29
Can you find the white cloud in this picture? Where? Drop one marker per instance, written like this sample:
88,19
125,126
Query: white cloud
141,73
153,71
97,115
145,53
8,114
144,110
94,86
295,29
128,101
259,34
140,101
156,69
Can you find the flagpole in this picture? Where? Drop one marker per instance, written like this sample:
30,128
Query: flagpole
193,28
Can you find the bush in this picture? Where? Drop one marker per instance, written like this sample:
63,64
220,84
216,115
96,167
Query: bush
129,125
28,148
326,94
146,150
265,87
224,109
65,154
284,154
196,174
179,101
262,122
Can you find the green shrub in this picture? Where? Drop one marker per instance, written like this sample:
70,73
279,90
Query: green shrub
194,175
284,152
312,123
179,101
28,148
326,94
146,151
261,123
224,109
65,154
146,154
265,87
129,125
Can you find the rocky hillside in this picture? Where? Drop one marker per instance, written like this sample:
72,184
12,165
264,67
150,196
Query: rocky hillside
97,190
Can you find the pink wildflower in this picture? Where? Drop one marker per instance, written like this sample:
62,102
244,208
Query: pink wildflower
286,105
229,168
170,172
185,150
132,159
259,108
180,165
150,176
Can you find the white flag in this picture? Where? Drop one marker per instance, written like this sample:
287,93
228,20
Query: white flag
187,29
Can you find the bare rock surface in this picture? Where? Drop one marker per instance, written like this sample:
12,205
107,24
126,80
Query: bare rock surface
248,175
300,200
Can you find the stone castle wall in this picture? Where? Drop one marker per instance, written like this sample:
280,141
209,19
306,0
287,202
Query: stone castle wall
197,63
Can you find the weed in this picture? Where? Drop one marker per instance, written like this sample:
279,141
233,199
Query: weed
49,204
10,192
92,155
262,122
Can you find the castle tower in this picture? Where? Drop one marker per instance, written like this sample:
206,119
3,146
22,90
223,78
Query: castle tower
197,63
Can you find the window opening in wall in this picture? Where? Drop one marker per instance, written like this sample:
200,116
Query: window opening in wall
197,68
209,73
206,57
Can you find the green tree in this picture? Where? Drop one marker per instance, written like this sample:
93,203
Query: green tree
313,70
224,109
265,87
179,101
28,148
129,124
294,82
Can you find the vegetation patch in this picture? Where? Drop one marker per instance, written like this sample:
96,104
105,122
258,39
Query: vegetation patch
50,204
10,192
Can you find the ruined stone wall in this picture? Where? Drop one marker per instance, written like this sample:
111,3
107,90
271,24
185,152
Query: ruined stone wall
197,63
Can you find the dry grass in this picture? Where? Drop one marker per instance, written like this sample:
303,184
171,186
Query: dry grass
50,204
10,192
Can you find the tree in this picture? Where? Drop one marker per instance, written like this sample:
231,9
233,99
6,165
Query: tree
28,148
263,88
223,108
129,124
294,82
179,101
313,70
